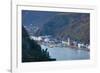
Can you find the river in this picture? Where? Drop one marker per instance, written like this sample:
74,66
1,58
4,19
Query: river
67,53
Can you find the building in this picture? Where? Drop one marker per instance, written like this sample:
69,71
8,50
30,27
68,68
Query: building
68,41
79,45
46,39
36,38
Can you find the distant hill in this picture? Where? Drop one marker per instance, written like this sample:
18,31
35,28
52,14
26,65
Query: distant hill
63,25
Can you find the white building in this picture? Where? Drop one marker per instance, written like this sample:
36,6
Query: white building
46,40
80,45
36,38
68,41
39,38
33,37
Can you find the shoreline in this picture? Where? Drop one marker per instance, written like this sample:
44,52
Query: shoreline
71,47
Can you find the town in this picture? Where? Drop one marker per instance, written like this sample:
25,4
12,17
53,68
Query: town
53,42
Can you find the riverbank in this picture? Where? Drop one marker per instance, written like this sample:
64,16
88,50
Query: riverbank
71,47
66,53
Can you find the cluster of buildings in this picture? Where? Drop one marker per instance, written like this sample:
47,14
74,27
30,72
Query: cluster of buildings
53,42
76,44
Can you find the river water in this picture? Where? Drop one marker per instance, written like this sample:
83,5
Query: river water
67,53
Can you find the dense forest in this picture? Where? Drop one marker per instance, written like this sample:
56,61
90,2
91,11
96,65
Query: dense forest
31,51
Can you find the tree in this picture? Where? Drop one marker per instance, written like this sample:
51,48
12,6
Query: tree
31,51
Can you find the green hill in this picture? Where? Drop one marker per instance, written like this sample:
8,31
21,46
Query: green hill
63,25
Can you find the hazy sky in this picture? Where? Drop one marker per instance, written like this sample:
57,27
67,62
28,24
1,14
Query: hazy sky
36,17
40,17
